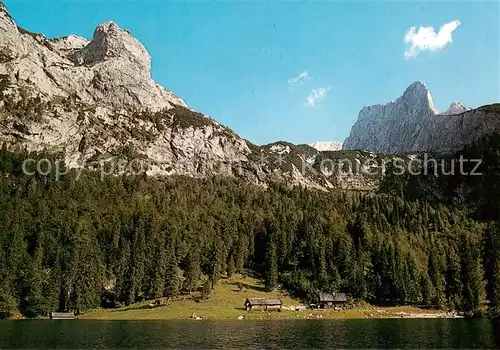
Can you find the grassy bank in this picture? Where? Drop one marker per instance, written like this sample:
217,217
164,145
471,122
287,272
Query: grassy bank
226,303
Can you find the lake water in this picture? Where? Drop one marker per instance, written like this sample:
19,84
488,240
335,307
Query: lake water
375,333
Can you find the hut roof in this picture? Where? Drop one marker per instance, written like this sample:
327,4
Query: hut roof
332,297
62,315
264,301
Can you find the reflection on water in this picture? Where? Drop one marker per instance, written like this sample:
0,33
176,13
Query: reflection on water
390,333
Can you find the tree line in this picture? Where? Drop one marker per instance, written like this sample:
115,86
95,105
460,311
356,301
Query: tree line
79,243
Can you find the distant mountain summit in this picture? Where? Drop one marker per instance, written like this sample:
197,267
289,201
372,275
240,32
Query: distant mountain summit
456,107
326,145
412,123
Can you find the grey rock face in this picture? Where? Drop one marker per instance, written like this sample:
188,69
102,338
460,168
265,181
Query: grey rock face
68,46
326,145
394,127
95,102
456,107
412,124
454,131
112,69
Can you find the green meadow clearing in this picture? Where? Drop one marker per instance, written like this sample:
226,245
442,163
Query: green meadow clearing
227,303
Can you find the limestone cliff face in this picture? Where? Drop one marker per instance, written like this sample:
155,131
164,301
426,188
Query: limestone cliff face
394,127
412,124
94,102
113,68
454,131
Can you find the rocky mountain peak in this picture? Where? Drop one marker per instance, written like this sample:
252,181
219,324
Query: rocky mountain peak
413,124
110,42
387,128
418,96
417,87
113,69
456,107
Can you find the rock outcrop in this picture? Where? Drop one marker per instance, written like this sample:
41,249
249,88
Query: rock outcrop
412,124
451,132
113,68
327,145
456,107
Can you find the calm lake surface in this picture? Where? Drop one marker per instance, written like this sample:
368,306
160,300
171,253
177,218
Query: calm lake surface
389,333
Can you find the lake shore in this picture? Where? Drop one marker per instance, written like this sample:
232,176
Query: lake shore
227,303
387,313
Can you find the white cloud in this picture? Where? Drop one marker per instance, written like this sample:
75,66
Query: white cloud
316,96
298,79
426,38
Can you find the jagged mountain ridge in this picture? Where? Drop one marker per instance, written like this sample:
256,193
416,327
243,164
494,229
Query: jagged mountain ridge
456,107
413,124
94,102
113,68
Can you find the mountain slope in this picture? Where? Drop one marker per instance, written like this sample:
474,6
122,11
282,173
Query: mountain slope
468,179
95,104
112,69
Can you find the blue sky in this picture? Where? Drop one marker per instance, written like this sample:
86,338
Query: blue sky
236,61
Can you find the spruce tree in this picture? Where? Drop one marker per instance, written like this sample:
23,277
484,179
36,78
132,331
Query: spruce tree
271,279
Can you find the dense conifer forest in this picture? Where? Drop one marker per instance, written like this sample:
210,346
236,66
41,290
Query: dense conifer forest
79,242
